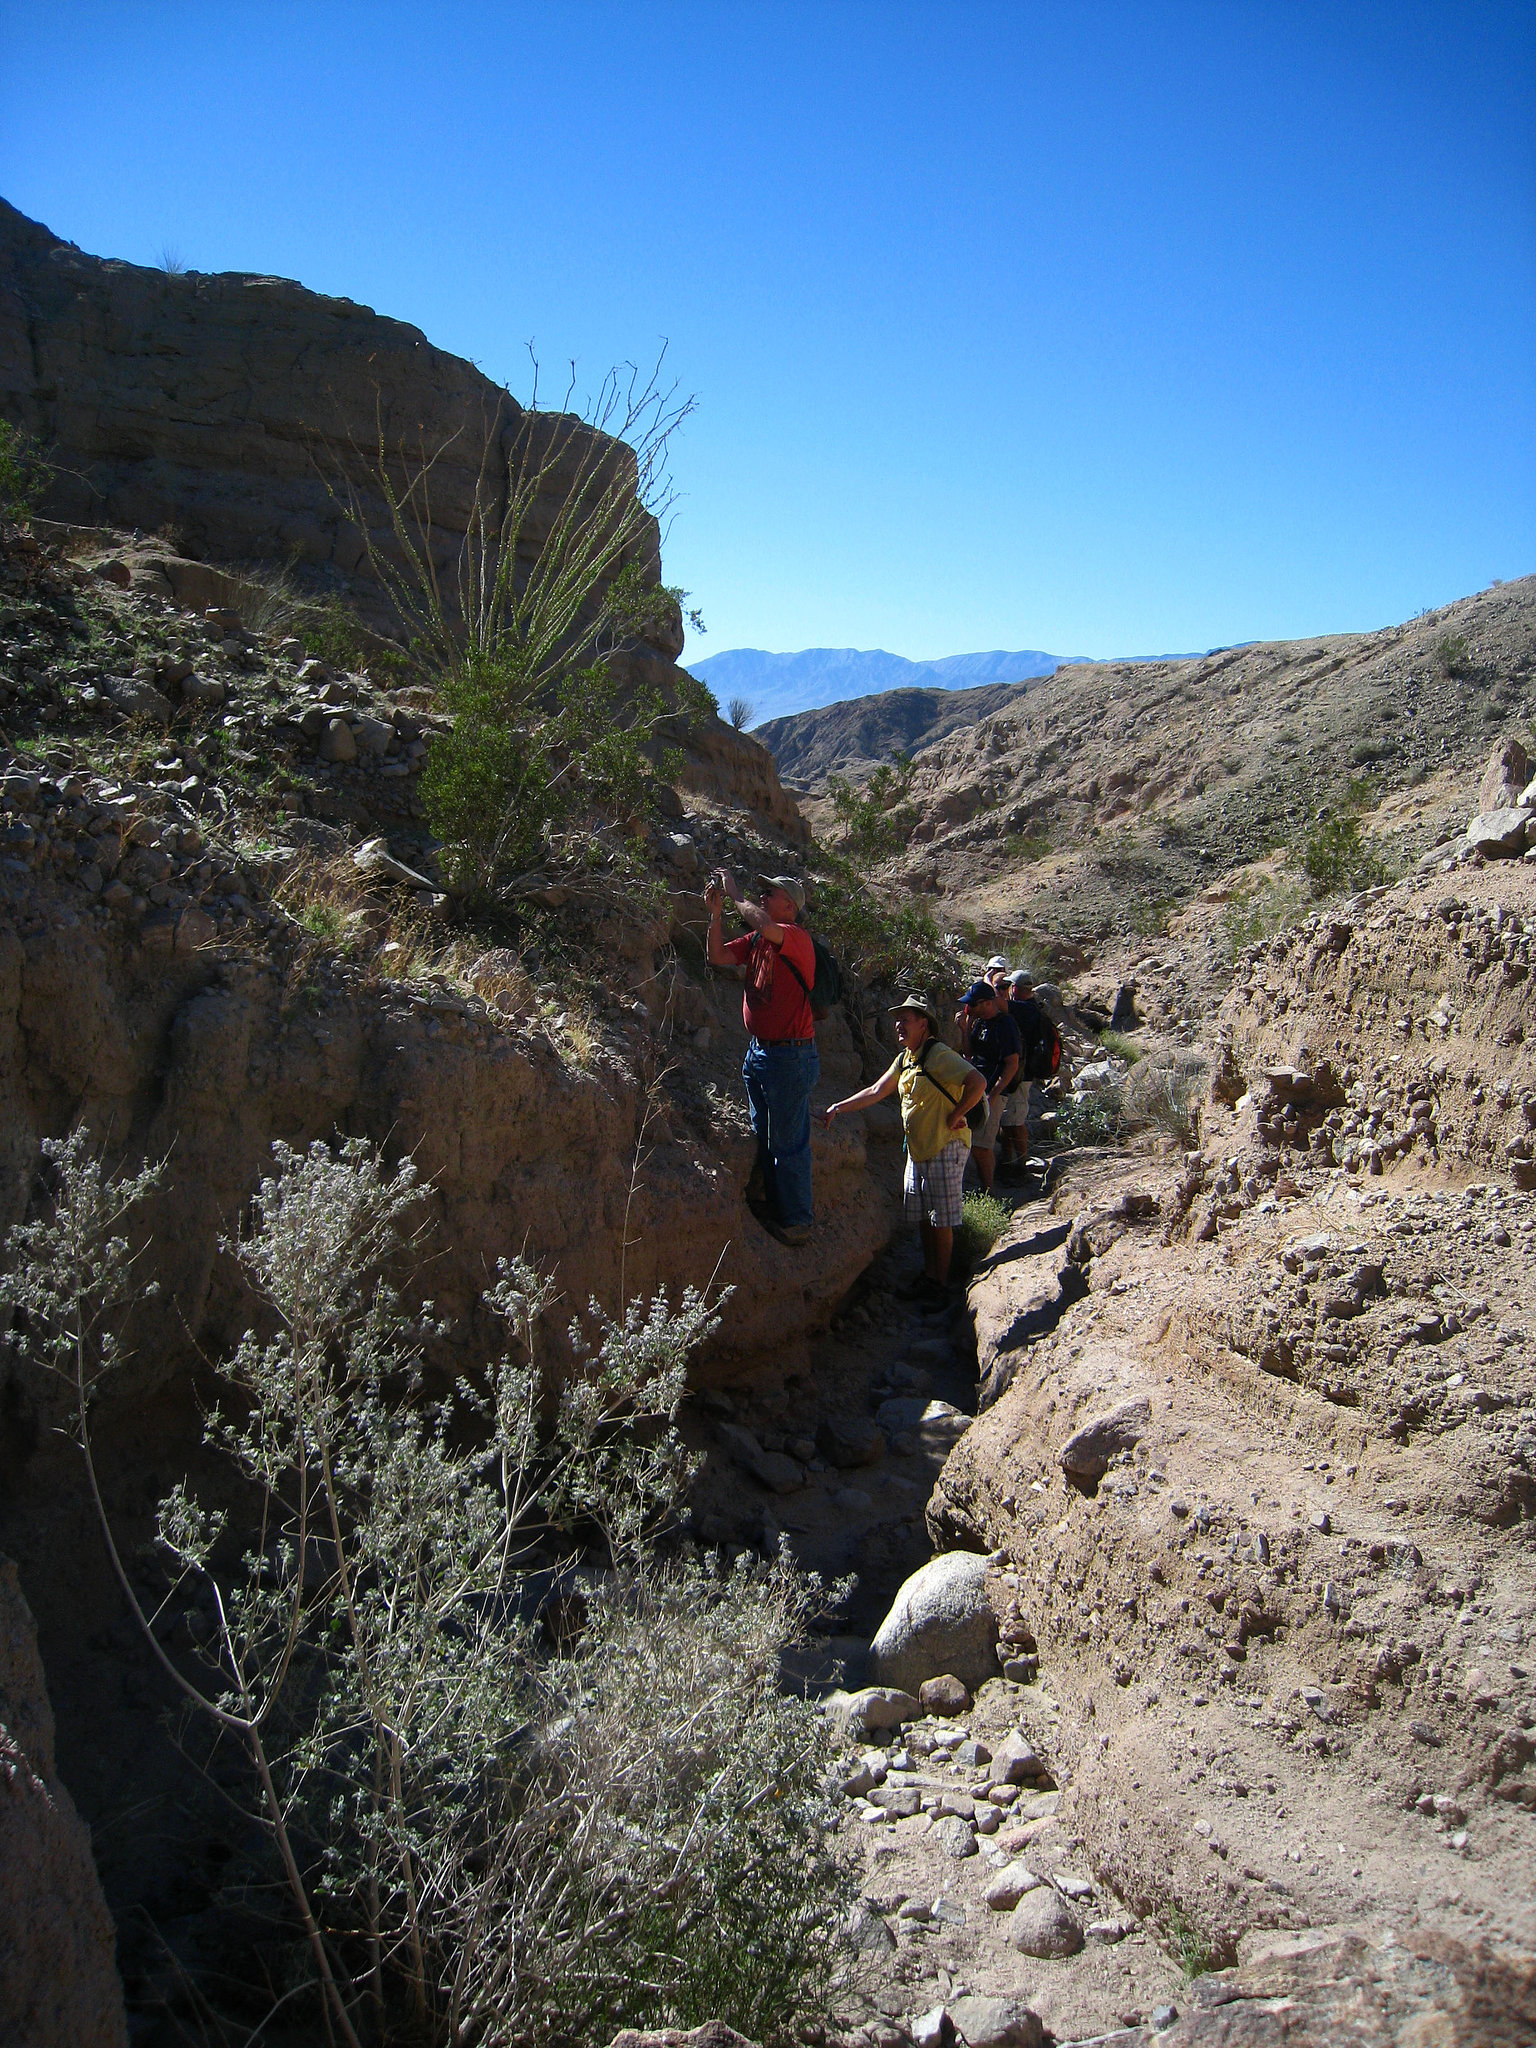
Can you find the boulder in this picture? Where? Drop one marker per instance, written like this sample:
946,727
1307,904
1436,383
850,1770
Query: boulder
931,1426
850,1441
1088,1453
1501,834
942,1623
1015,1762
58,1970
1009,1886
773,1469
868,1932
870,1710
900,1801
1508,770
956,1837
944,1695
373,858
136,698
196,689
194,930
372,736
1043,1924
995,2022
337,743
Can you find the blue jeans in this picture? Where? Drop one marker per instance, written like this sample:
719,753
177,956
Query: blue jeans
779,1081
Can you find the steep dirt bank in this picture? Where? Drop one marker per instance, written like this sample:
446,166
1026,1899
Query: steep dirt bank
1268,1489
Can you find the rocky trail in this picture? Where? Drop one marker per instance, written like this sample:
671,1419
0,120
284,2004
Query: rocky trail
1258,1501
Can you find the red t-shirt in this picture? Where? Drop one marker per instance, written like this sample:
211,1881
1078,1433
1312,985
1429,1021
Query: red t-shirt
774,1006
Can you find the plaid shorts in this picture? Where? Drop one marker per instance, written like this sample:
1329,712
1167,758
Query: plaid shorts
931,1192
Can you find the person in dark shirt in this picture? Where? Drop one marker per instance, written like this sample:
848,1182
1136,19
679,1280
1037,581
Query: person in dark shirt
1034,1038
989,1039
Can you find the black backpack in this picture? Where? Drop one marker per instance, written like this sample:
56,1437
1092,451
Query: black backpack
825,991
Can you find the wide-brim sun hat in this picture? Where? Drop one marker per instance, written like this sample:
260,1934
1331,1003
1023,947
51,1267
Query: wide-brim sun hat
794,890
913,999
997,960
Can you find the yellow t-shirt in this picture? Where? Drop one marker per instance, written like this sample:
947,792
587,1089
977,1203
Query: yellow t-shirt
930,1095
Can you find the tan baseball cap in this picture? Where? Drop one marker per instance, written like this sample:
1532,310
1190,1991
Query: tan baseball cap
794,890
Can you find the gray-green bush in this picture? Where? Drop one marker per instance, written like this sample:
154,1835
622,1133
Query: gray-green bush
515,1797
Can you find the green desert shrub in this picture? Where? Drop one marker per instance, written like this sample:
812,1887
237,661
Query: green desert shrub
525,1766
876,819
24,473
1337,857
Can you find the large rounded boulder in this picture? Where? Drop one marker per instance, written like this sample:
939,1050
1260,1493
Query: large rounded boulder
942,1622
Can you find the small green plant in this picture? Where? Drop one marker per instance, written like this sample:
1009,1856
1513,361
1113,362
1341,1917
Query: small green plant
1122,1046
983,1220
1027,846
1454,655
873,942
25,473
335,634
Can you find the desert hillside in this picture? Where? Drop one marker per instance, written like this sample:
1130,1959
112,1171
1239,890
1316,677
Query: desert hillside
1107,798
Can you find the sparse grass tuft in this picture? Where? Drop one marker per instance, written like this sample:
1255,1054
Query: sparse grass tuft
1167,1090
1260,912
1097,1119
1121,1046
984,1219
1195,1954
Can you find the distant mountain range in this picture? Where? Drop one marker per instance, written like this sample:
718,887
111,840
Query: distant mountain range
778,684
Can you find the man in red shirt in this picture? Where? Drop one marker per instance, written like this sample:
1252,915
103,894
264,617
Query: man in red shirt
781,1065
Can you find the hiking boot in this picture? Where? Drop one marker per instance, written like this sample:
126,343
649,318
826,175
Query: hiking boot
792,1234
916,1289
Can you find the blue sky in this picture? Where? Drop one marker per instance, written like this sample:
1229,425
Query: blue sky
1092,328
